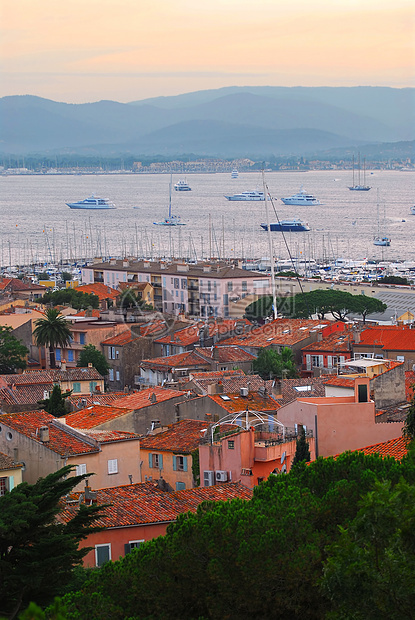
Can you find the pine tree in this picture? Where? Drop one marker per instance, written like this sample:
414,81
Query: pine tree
302,452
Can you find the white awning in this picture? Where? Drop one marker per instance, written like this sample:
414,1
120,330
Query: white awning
363,363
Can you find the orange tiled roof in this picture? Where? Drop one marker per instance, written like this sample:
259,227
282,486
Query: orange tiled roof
389,338
98,398
182,437
334,342
224,354
143,398
180,360
102,291
144,503
108,436
120,339
340,381
191,334
282,332
94,416
93,313
397,448
253,401
6,462
60,441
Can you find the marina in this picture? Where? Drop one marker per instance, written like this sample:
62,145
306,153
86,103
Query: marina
38,228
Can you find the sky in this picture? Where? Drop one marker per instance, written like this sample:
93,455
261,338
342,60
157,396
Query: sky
79,51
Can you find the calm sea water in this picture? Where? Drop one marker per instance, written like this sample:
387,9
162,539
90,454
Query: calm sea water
36,224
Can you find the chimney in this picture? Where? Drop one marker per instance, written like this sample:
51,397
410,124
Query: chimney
89,364
153,398
89,495
215,355
356,335
63,365
44,434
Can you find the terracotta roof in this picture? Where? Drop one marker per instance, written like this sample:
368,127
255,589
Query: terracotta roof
397,448
282,332
98,398
391,338
94,415
108,436
302,387
100,290
235,402
182,437
33,377
6,462
340,381
180,360
336,342
144,503
120,339
61,440
93,313
15,284
231,380
143,398
224,354
410,384
191,334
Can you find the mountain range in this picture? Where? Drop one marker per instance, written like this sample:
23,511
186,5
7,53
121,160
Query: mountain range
227,122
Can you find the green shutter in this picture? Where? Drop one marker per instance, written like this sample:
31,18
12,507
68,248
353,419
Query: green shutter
174,464
160,461
11,483
185,463
150,460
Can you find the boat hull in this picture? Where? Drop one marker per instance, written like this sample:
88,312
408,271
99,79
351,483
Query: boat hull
286,227
300,203
89,208
241,198
359,188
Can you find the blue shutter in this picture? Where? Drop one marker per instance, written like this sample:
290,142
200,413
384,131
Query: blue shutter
180,486
174,464
160,461
150,460
185,463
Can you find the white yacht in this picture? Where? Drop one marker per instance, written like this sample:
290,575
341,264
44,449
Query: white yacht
234,174
383,241
253,195
170,220
413,210
301,198
182,186
91,203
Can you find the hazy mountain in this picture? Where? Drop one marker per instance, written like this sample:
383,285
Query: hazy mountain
227,122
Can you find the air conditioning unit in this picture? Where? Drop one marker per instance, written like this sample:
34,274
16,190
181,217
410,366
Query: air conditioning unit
243,392
221,476
208,478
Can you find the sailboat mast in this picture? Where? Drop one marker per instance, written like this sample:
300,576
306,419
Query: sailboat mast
271,252
170,196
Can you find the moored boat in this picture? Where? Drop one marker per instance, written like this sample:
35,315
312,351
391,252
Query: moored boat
253,195
301,198
234,174
91,203
182,186
293,225
170,220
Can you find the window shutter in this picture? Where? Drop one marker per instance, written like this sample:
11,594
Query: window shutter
185,463
160,461
320,361
329,361
308,361
174,463
150,460
127,548
342,359
113,466
11,483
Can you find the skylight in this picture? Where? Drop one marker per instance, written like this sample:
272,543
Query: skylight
224,397
303,388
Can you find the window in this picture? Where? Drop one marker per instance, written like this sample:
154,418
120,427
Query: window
176,283
244,285
81,469
180,463
82,338
111,353
113,466
71,357
180,486
58,355
230,286
184,283
155,460
225,300
111,374
3,486
117,375
92,386
400,358
209,285
102,554
231,444
133,544
76,386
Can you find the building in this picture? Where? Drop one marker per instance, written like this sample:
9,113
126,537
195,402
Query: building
340,423
169,454
387,341
326,354
45,444
139,512
10,473
199,290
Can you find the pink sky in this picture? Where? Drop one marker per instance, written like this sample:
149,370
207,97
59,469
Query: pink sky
86,50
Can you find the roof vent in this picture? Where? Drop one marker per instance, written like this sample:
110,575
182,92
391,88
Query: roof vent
243,391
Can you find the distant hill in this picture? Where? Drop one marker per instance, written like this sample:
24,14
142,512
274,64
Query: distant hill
227,122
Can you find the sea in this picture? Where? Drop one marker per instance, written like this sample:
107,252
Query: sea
38,227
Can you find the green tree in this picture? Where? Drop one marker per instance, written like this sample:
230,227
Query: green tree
37,551
393,280
71,297
408,430
66,276
270,364
52,331
91,355
370,574
364,305
12,352
56,403
302,450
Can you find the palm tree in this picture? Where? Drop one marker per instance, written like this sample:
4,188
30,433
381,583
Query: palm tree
51,332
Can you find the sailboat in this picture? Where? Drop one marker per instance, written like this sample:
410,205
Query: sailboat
380,239
359,187
171,220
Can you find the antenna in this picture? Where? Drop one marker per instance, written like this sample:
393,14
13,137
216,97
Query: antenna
271,253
